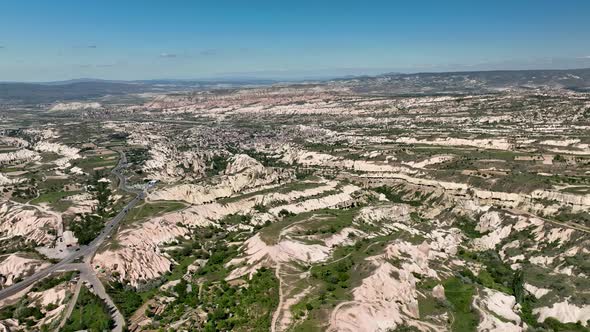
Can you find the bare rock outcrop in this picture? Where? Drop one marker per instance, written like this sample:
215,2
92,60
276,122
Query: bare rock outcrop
28,222
565,312
75,106
244,173
15,266
19,156
497,312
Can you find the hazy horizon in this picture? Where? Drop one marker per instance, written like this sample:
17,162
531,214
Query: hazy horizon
262,76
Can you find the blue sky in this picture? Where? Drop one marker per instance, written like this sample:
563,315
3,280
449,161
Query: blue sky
131,39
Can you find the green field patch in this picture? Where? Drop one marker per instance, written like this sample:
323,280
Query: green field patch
328,221
53,197
460,296
427,304
579,190
49,156
89,163
52,184
270,233
153,209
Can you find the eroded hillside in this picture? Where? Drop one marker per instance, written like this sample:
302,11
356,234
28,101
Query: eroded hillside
315,207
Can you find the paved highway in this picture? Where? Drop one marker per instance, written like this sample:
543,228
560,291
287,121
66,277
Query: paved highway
84,251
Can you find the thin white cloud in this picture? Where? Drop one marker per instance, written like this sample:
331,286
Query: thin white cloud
208,52
167,55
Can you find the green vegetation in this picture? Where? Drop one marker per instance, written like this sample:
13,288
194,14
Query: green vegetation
89,225
498,275
92,163
486,279
335,280
398,196
17,244
27,315
137,156
566,215
495,273
126,298
428,305
146,210
521,181
217,164
101,191
467,226
265,159
336,275
551,324
52,281
325,221
405,328
220,255
53,197
23,194
460,295
91,314
328,221
247,308
559,158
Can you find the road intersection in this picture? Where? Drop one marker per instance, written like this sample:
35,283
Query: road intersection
87,273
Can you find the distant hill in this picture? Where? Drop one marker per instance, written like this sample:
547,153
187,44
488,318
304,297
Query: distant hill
85,89
470,82
391,84
34,93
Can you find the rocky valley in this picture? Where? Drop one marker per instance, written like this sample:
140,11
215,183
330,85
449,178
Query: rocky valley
400,202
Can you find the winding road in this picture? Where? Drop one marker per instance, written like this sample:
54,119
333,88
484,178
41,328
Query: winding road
87,252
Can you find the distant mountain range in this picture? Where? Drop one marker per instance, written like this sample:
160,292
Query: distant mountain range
84,89
468,82
391,83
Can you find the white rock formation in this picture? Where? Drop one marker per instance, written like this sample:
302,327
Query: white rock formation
537,292
4,180
67,152
430,161
493,304
312,158
499,144
20,155
330,201
13,267
14,141
257,253
565,312
491,240
75,106
28,222
488,222
388,297
251,174
138,256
